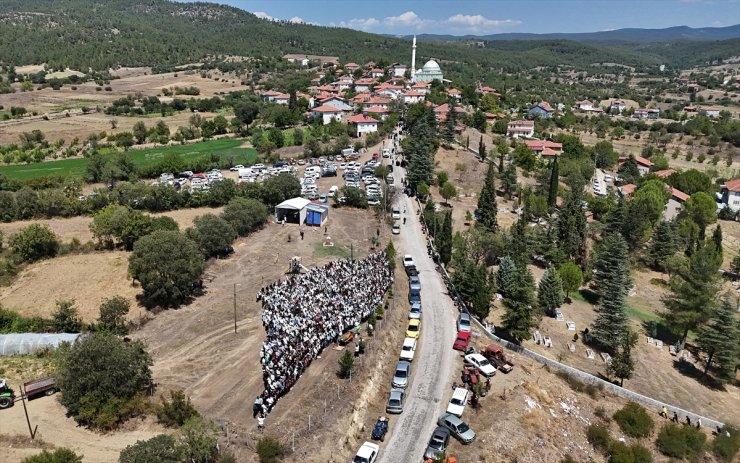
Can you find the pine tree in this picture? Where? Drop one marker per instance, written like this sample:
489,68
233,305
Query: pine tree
506,275
694,289
628,170
520,316
444,239
520,249
615,220
487,207
552,195
550,292
612,274
572,227
718,339
508,181
622,364
663,246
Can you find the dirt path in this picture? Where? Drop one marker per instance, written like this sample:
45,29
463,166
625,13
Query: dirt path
435,361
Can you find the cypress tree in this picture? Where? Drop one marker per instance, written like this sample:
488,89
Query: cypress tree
520,316
487,207
554,178
503,150
663,245
505,276
482,149
508,181
717,246
718,339
550,292
611,272
572,227
520,249
445,239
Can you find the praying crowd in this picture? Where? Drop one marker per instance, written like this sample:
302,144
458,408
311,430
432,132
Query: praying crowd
303,314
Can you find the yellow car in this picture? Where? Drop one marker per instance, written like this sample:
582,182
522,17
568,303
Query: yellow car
414,329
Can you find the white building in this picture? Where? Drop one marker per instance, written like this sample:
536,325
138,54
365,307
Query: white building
364,124
730,195
328,113
520,129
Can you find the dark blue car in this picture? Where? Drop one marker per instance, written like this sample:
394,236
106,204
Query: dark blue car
380,429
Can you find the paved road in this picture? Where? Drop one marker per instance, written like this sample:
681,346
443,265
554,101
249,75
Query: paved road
434,366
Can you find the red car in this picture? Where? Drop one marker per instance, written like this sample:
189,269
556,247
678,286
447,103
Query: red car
462,341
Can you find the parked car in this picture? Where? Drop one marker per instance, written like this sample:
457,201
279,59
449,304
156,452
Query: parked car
380,429
408,260
457,427
415,311
236,168
408,349
396,399
461,341
414,283
396,230
396,213
463,322
414,296
458,401
414,328
481,363
368,453
402,374
438,443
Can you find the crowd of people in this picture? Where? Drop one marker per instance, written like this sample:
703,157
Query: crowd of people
303,314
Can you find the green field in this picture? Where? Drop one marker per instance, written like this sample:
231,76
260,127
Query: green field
76,167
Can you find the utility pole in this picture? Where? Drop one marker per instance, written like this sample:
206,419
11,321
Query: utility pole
24,397
234,308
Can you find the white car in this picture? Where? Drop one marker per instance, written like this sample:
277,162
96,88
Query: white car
396,213
236,168
481,363
368,453
408,260
396,230
408,349
458,401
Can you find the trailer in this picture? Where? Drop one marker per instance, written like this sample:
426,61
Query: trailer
42,386
495,354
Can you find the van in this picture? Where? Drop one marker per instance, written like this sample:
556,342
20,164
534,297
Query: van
333,191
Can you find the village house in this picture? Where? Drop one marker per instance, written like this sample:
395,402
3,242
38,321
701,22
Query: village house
325,61
388,90
643,165
327,113
454,93
282,98
377,73
665,173
398,70
543,110
363,85
730,195
710,111
422,87
485,90
440,112
545,148
520,129
363,124
413,97
626,191
336,102
377,112
351,67
642,113
585,105
617,106
674,204
378,101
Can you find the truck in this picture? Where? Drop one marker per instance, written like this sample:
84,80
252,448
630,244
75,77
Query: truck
495,354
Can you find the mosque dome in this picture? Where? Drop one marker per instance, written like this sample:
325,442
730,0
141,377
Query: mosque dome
431,66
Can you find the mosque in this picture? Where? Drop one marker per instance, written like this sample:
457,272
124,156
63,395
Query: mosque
431,70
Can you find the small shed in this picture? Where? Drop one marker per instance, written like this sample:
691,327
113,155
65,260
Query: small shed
316,214
30,343
292,210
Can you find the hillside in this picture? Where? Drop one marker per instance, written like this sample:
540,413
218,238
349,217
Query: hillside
669,34
84,34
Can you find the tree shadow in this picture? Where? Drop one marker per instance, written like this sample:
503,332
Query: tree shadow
658,330
590,296
689,369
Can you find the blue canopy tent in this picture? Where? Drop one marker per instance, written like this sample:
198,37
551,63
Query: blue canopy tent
316,215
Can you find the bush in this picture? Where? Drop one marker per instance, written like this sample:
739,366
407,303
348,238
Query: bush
726,444
66,318
634,420
619,452
34,242
270,450
245,215
177,411
680,441
200,437
600,412
159,449
641,454
62,455
346,364
212,234
113,315
100,377
598,437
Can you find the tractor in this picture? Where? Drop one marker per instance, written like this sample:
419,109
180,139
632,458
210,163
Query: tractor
7,395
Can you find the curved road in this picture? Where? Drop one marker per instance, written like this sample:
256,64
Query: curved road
434,365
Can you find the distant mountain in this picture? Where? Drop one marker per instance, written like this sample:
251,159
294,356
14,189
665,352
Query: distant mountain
670,34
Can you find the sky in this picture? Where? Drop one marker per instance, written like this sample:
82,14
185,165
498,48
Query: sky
460,17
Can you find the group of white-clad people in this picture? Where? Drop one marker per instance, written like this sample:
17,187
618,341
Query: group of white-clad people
303,314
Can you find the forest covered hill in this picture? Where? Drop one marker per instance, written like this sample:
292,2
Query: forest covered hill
83,34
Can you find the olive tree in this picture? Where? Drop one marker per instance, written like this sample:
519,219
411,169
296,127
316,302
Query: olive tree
168,265
34,242
245,215
212,234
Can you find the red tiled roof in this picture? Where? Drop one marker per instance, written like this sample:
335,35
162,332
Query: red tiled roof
549,152
326,109
413,93
377,70
545,105
361,119
541,145
733,185
521,123
270,93
421,85
352,65
680,195
628,189
378,100
640,160
453,91
377,110
665,173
